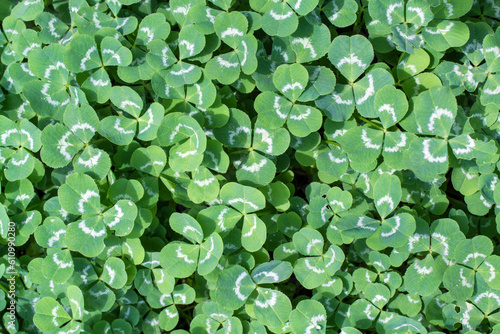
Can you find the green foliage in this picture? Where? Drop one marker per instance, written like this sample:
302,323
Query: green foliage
261,166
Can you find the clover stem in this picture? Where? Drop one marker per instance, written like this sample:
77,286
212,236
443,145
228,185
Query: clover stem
242,151
4,288
367,121
332,142
263,213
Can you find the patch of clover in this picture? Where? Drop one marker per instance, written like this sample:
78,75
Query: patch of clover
263,166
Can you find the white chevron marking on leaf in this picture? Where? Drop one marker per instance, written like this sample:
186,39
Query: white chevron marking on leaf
496,91
240,200
386,199
90,231
280,17
188,45
399,145
369,91
226,64
269,302
391,9
352,59
62,144
361,225
51,68
48,98
252,228
204,183
120,129
468,148
238,130
339,100
390,110
61,264
55,237
306,44
313,268
183,71
420,13
113,55
292,86
237,288
255,167
231,32
86,58
85,198
474,256
182,9
92,161
488,294
438,113
311,244
423,270
394,229
99,82
428,156
367,141
182,256
441,31
148,33
275,277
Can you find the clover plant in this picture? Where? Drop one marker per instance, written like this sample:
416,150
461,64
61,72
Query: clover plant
261,166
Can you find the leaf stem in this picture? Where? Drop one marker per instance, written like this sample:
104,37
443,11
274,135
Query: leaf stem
367,121
332,142
4,288
241,151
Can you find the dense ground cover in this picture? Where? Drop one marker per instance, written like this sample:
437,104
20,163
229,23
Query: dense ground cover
223,166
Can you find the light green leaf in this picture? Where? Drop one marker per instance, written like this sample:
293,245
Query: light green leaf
59,145
280,21
397,230
126,99
204,187
186,226
291,80
428,158
387,194
49,314
79,195
210,253
114,273
421,277
254,233
231,27
86,236
242,198
391,104
179,259
58,265
255,170
341,13
272,307
81,54
435,111
357,226
93,162
153,26
151,160
351,55
76,301
121,217
234,286
442,34
118,130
